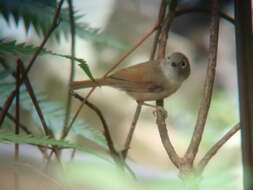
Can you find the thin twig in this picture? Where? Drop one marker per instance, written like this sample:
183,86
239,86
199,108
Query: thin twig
104,124
36,54
185,11
208,86
12,118
146,36
131,131
44,41
66,126
213,150
17,122
158,31
35,102
160,120
6,106
115,155
161,42
73,153
165,26
26,130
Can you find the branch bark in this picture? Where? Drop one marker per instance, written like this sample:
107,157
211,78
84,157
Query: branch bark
131,131
208,86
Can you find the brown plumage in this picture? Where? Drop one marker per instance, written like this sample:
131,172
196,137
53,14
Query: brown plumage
150,80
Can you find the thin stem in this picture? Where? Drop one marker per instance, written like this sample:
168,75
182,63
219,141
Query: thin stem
131,131
107,133
146,36
6,106
44,41
66,126
208,86
36,54
161,42
115,155
17,122
158,31
213,150
185,11
35,102
160,120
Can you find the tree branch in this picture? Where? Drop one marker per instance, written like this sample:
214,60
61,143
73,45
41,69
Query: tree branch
160,120
115,155
208,86
131,131
185,11
213,150
66,126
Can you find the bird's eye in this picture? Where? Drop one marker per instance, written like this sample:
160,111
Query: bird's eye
183,64
173,64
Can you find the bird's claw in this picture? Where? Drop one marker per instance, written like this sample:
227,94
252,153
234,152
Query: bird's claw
160,110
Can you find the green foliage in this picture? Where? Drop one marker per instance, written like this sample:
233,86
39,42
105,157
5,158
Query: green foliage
53,113
36,140
86,69
46,141
22,49
40,14
14,49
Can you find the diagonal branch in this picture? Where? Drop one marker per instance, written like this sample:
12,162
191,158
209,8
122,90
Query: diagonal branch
208,86
115,155
6,106
185,11
160,120
213,150
17,110
131,131
30,91
36,54
66,126
107,133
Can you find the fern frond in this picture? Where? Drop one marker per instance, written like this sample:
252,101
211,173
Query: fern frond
21,49
17,49
46,141
40,13
54,114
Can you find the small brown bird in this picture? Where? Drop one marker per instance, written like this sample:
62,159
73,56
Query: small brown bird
151,80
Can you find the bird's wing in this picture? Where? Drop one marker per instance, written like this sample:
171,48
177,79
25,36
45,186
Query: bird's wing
142,77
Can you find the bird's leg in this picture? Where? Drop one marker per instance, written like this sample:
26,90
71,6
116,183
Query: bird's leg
158,108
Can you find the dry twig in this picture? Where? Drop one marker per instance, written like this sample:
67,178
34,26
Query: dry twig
66,126
131,131
213,150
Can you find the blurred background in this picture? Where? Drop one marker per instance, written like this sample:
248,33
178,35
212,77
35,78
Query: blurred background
126,22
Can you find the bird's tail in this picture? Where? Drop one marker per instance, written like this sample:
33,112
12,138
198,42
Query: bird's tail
88,83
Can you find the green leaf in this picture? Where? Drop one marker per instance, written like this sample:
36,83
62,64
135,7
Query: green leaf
40,14
86,69
13,48
46,141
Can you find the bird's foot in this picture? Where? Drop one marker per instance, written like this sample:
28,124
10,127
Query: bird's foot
160,110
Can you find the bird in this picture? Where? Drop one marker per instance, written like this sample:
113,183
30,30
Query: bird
147,81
